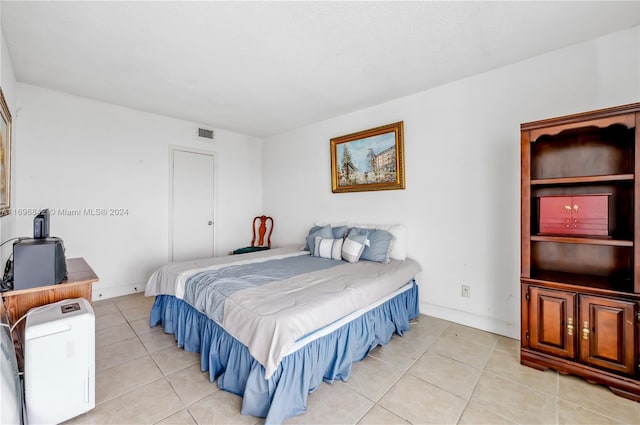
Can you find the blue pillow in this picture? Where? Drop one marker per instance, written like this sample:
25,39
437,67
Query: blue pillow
324,232
339,232
312,230
360,231
378,247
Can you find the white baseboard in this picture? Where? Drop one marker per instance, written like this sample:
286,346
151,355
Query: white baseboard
485,323
105,292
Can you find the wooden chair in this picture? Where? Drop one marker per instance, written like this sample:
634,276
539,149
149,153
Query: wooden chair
262,226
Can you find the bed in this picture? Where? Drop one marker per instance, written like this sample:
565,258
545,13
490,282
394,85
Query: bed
270,326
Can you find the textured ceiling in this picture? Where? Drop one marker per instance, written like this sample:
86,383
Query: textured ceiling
267,67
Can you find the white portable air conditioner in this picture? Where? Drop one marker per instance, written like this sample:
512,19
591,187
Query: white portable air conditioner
59,361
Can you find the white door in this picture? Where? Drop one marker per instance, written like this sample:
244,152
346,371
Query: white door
192,205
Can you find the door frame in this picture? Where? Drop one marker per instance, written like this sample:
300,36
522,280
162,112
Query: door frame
214,155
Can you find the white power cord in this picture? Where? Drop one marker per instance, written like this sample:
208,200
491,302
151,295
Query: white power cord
33,310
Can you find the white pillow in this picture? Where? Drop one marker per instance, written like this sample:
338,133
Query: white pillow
399,244
353,246
328,248
399,232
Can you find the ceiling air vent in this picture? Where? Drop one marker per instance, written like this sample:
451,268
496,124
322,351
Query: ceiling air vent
207,134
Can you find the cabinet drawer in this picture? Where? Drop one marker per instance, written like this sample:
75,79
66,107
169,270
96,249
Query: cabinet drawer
583,215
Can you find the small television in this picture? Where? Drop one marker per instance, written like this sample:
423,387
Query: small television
38,261
41,225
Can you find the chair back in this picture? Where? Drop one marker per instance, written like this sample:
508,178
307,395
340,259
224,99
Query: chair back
262,226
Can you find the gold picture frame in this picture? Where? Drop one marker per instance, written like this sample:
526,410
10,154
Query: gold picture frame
369,160
5,156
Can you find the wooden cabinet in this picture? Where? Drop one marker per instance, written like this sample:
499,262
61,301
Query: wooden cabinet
78,284
581,283
596,330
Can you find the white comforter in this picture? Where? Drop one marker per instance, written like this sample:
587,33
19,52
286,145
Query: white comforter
269,319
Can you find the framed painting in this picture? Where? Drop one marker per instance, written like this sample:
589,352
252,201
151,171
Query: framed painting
368,160
5,156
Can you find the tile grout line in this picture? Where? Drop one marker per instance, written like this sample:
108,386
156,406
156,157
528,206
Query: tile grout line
164,375
149,353
405,374
127,322
475,384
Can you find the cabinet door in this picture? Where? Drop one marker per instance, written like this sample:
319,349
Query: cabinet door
607,337
552,321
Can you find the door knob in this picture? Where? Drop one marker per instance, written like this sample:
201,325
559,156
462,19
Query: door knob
210,223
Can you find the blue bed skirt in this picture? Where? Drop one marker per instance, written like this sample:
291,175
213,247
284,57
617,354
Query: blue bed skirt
284,394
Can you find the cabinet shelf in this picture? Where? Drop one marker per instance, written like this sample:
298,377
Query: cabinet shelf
606,284
583,179
582,240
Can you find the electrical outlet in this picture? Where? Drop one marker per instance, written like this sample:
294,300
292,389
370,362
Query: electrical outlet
466,291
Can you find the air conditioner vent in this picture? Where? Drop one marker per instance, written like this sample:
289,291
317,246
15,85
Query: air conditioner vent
207,134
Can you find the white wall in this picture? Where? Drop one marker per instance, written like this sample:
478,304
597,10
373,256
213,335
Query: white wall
76,153
461,204
8,84
462,152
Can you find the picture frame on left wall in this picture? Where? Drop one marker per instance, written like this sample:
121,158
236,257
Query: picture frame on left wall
5,156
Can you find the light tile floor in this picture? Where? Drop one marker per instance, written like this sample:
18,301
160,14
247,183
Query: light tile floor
438,373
